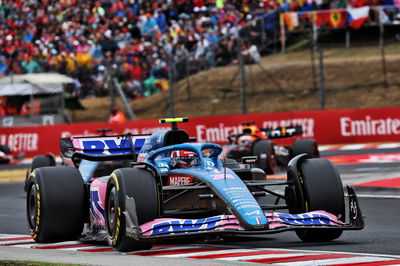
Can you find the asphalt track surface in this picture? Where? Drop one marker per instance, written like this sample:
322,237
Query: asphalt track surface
380,206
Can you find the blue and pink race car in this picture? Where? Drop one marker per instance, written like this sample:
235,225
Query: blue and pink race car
133,190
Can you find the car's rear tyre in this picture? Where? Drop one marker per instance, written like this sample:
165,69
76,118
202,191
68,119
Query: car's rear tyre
319,188
42,161
266,159
55,204
308,146
5,149
37,162
140,185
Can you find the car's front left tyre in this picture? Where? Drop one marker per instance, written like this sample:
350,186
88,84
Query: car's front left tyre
316,186
140,185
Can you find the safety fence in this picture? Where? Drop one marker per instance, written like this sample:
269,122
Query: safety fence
327,127
312,31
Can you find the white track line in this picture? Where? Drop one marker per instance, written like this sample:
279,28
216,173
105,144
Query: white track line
379,196
388,146
335,261
341,252
220,254
199,253
265,256
353,147
359,146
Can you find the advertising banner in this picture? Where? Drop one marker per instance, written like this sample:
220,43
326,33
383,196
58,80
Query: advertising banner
327,127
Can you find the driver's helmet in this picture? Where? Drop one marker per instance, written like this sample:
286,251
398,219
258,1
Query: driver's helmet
250,129
183,159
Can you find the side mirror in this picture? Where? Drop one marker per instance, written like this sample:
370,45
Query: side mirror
249,159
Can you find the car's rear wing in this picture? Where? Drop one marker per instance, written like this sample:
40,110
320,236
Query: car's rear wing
272,133
283,132
103,145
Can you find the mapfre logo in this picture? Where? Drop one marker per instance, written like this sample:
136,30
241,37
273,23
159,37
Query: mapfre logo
179,180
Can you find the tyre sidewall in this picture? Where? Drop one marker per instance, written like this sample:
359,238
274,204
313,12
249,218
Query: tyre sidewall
34,228
60,203
122,180
265,153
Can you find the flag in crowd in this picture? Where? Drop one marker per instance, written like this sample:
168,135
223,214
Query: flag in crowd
353,17
291,20
336,19
357,16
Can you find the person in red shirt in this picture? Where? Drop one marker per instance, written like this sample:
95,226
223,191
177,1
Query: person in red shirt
116,116
30,108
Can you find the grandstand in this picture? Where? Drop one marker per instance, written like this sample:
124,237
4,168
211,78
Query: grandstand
141,41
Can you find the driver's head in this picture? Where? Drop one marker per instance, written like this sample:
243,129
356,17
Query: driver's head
250,129
183,159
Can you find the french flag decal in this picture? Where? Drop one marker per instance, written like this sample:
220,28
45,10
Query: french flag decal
258,220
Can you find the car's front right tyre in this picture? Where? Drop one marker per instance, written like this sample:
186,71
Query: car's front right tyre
55,204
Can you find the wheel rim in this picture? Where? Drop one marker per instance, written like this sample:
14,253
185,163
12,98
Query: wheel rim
32,206
112,208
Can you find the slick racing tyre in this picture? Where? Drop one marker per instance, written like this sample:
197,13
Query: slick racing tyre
308,146
42,160
55,204
140,185
39,161
265,153
318,187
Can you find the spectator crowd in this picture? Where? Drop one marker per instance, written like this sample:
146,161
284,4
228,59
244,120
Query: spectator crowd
136,39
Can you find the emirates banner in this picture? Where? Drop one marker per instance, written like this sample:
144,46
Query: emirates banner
327,127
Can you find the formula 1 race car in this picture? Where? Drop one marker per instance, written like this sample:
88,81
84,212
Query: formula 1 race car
7,157
133,190
254,141
5,154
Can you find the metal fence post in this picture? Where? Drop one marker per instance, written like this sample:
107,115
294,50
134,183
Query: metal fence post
187,77
121,93
171,74
263,37
312,57
282,33
382,47
347,37
321,79
243,106
111,87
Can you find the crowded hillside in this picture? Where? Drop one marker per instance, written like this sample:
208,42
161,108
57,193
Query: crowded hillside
135,39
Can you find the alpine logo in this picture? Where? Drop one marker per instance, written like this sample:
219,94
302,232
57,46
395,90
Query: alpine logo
222,176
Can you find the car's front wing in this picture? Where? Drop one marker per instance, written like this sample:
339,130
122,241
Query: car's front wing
229,224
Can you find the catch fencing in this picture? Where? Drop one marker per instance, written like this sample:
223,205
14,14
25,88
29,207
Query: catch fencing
315,72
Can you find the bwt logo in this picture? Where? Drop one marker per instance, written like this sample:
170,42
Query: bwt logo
177,226
305,219
111,146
